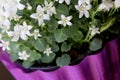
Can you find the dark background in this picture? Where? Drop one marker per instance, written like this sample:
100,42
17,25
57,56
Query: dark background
4,73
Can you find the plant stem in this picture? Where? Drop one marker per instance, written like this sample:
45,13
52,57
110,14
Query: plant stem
112,12
107,25
87,36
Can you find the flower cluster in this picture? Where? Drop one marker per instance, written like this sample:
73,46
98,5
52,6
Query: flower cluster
39,30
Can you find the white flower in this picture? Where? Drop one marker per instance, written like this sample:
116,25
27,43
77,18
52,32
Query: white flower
29,7
4,20
26,29
10,11
20,32
16,3
83,10
65,20
94,30
23,55
5,25
16,33
49,8
117,3
11,8
48,51
16,17
83,1
3,2
4,45
66,1
36,34
40,15
106,5
1,35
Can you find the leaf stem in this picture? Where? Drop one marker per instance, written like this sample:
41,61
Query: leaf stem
87,36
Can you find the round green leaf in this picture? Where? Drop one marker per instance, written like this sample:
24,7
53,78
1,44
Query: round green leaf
61,9
77,36
65,47
52,25
64,60
48,59
60,35
39,44
55,47
27,63
34,55
15,48
95,44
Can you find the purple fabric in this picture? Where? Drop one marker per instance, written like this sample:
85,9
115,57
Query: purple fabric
102,66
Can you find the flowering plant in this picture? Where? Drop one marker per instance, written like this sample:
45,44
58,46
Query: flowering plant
46,31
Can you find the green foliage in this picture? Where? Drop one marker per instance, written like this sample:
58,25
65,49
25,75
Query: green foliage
60,35
50,38
52,25
35,55
64,60
65,47
61,39
61,9
107,25
55,47
39,1
27,63
78,36
15,48
48,59
39,44
95,44
74,2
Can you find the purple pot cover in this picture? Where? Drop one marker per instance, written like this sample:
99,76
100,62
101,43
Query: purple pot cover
102,66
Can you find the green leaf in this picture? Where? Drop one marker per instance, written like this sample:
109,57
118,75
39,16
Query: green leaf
33,4
52,25
78,36
34,56
54,47
95,44
70,31
61,9
15,48
39,1
96,22
48,59
64,60
60,36
65,47
75,2
39,44
50,38
27,63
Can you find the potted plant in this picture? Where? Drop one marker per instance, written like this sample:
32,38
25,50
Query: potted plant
45,33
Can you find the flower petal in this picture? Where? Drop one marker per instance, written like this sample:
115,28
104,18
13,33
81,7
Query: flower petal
34,15
15,38
46,17
69,17
60,22
80,14
69,23
67,2
40,21
62,16
86,14
61,1
24,37
20,6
